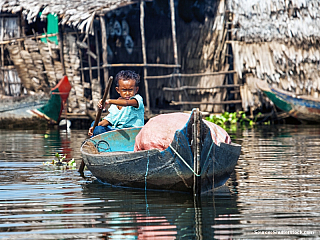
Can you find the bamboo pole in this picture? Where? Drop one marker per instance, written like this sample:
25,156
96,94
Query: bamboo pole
21,39
89,60
191,74
97,52
140,65
81,61
144,56
104,48
203,102
174,42
199,88
173,28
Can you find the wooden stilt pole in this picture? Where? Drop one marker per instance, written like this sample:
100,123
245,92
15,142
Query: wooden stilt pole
144,55
104,48
81,62
89,60
173,29
174,42
97,52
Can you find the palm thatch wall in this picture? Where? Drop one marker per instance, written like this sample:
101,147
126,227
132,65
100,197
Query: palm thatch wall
38,66
200,39
278,42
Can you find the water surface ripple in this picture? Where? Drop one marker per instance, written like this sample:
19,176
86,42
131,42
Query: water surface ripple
274,192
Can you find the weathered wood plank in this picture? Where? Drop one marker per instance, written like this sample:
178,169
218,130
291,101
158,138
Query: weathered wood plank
213,103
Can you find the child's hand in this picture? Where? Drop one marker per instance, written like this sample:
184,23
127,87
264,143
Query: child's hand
90,132
100,106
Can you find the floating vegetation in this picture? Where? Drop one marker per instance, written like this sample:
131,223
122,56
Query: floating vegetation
58,161
231,120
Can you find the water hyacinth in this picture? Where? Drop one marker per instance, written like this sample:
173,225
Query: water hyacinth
230,120
59,161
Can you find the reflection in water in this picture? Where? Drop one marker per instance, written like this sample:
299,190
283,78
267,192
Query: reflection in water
278,178
161,215
274,193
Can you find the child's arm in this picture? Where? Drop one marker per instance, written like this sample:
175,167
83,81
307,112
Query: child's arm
120,102
123,102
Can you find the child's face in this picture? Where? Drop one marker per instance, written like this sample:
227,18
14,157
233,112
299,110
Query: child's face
127,88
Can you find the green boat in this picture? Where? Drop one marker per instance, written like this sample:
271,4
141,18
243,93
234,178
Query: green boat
301,107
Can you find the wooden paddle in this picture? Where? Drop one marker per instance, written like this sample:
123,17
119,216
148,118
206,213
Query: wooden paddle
104,98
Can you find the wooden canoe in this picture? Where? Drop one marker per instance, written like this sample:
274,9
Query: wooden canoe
111,159
301,107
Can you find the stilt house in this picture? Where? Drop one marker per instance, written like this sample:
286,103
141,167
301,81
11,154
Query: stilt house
276,42
189,53
178,47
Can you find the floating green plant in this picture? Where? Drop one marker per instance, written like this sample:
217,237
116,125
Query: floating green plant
59,161
230,120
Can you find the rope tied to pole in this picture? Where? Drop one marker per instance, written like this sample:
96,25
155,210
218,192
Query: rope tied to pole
184,161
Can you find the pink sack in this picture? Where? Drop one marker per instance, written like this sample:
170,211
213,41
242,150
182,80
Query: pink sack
159,131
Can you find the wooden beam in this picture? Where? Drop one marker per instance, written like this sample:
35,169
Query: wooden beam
97,53
174,43
91,54
104,48
81,44
173,29
199,88
89,59
209,103
21,39
81,61
141,65
191,74
144,56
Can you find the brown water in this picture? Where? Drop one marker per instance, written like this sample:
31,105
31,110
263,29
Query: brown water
274,193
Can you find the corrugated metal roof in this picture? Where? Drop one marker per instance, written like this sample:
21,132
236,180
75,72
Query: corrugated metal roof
75,13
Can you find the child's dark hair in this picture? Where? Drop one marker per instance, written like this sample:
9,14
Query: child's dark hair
127,75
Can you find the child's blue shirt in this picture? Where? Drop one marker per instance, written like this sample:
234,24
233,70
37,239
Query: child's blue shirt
128,116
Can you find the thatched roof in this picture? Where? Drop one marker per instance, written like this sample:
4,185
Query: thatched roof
278,42
75,13
296,21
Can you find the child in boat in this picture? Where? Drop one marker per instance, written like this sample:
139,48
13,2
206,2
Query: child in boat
126,111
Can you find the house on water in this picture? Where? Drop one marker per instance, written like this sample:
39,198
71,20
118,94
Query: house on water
276,42
189,53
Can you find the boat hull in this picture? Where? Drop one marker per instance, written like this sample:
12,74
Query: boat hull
171,169
302,107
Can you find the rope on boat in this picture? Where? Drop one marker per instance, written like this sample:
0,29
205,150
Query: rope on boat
198,175
183,160
97,145
145,176
145,186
